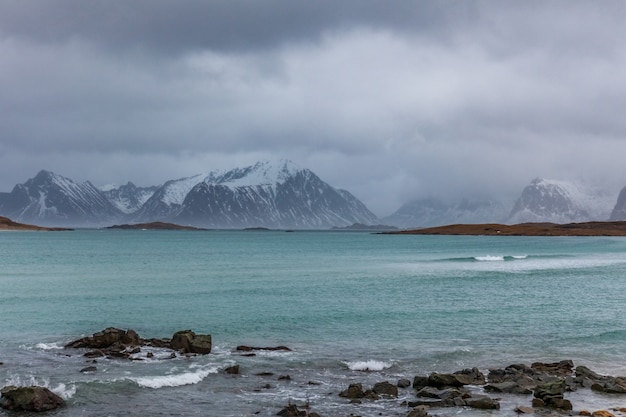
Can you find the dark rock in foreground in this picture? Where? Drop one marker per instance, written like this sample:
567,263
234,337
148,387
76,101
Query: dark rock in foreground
118,343
29,399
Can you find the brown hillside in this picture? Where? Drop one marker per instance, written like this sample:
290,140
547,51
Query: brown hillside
526,229
8,224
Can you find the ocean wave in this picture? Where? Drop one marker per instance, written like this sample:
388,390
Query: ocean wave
48,346
486,258
498,258
368,366
64,391
175,380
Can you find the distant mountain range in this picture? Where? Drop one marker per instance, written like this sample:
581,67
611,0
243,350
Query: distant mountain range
541,201
281,195
267,194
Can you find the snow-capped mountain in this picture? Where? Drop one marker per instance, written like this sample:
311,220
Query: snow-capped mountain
560,202
128,198
52,200
619,211
276,195
267,194
429,212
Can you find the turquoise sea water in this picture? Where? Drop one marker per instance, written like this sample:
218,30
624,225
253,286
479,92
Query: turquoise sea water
398,306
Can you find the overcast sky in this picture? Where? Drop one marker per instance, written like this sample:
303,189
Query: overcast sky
391,100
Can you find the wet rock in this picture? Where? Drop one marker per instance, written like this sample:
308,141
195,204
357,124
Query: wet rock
404,383
482,402
419,411
89,369
29,399
508,387
560,369
284,378
445,380
354,391
602,413
232,370
442,394
428,402
470,376
292,410
187,341
551,395
385,389
521,409
420,382
244,348
106,338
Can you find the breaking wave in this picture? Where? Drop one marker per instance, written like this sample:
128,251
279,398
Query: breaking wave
368,366
492,258
175,380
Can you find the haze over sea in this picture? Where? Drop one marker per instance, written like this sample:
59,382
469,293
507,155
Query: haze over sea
344,302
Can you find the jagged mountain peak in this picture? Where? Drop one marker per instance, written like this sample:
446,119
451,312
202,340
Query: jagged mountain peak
52,199
558,201
262,173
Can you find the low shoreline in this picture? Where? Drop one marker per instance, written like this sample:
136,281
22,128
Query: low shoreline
617,228
7,224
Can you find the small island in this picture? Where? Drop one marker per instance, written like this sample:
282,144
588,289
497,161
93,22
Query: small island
611,228
8,224
153,226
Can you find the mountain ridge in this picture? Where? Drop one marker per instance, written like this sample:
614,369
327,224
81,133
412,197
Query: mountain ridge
276,194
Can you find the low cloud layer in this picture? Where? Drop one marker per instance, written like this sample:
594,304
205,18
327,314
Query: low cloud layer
417,99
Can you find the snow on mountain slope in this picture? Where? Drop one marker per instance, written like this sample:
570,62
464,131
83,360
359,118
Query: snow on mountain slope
50,199
560,202
269,194
128,198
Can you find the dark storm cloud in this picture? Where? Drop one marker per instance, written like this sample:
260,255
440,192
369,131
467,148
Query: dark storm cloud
183,25
389,100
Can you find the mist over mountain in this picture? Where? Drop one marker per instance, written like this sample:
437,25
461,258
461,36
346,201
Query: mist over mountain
619,211
561,202
543,200
428,212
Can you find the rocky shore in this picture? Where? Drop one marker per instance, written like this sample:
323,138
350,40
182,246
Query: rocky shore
617,228
539,388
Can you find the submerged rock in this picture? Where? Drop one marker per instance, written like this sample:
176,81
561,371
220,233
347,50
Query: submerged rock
29,399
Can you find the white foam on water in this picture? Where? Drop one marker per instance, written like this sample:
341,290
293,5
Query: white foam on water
489,258
48,346
519,256
64,391
368,366
175,380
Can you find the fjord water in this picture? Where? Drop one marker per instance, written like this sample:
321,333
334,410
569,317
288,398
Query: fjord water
352,306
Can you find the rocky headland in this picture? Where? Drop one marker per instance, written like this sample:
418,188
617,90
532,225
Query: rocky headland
8,224
616,228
